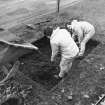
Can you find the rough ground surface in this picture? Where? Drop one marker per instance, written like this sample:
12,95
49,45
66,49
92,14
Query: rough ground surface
18,12
85,81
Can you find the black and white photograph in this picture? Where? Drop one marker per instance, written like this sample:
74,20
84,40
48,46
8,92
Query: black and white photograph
52,52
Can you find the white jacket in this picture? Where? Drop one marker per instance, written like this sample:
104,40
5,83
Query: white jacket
62,41
81,28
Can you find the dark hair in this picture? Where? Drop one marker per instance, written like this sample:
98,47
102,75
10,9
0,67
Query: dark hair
69,30
48,31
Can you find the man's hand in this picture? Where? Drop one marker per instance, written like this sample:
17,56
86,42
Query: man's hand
80,54
52,59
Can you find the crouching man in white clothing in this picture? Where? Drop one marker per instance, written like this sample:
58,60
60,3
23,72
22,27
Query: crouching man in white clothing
84,31
61,41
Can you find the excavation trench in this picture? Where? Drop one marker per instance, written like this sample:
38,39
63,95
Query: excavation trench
38,67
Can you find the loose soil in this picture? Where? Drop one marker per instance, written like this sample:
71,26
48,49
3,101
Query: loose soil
38,67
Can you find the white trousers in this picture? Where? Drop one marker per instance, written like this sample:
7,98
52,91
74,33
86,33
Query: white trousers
65,66
85,40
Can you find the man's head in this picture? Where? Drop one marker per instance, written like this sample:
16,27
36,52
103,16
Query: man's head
74,22
70,25
48,31
69,28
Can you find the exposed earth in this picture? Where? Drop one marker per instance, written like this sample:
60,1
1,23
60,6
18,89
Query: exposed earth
84,83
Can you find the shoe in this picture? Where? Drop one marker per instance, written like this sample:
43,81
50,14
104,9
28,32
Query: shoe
57,77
